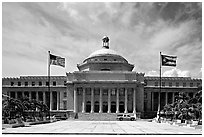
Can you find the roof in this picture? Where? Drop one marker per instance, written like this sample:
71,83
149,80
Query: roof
104,52
170,78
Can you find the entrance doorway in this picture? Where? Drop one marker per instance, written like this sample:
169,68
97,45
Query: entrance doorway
113,107
105,107
121,107
96,106
88,106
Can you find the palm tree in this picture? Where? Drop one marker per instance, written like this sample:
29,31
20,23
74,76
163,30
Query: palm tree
185,107
12,108
17,108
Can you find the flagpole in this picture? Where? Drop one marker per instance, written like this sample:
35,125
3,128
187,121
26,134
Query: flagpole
159,108
49,78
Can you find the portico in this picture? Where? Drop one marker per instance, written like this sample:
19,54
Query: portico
105,99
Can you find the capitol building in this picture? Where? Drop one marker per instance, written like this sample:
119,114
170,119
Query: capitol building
104,83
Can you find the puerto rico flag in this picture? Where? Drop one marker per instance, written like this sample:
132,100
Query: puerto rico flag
57,60
168,60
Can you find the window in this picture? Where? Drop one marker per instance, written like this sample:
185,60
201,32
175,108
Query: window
13,95
47,83
40,83
96,59
105,59
65,105
19,83
65,83
184,84
130,91
65,94
163,84
191,84
198,84
170,84
79,91
26,83
156,83
54,83
97,91
114,59
145,95
105,92
122,92
113,92
12,83
177,84
88,91
33,83
105,69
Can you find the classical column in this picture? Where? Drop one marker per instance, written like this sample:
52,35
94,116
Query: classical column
50,100
83,101
166,97
173,97
37,96
29,95
44,98
16,96
125,100
92,100
75,100
109,100
152,101
100,109
134,101
23,95
117,101
58,100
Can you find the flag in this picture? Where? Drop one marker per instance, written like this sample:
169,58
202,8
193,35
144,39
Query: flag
57,60
168,60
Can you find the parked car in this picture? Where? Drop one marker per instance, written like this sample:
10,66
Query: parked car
125,117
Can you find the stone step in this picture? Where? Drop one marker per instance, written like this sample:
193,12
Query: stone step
97,116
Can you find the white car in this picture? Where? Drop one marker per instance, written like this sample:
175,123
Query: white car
125,117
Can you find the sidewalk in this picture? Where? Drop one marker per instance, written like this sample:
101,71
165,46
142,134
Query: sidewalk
103,127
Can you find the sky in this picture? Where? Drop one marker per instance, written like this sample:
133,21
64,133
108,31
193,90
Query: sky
137,31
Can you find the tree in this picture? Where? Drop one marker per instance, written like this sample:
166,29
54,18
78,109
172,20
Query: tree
17,108
185,107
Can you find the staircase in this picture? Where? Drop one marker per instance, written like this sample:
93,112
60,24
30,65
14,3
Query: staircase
97,116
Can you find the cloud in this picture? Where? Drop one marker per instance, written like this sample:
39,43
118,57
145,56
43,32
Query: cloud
170,73
152,73
176,73
137,31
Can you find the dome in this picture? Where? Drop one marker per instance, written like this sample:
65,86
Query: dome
102,52
105,59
